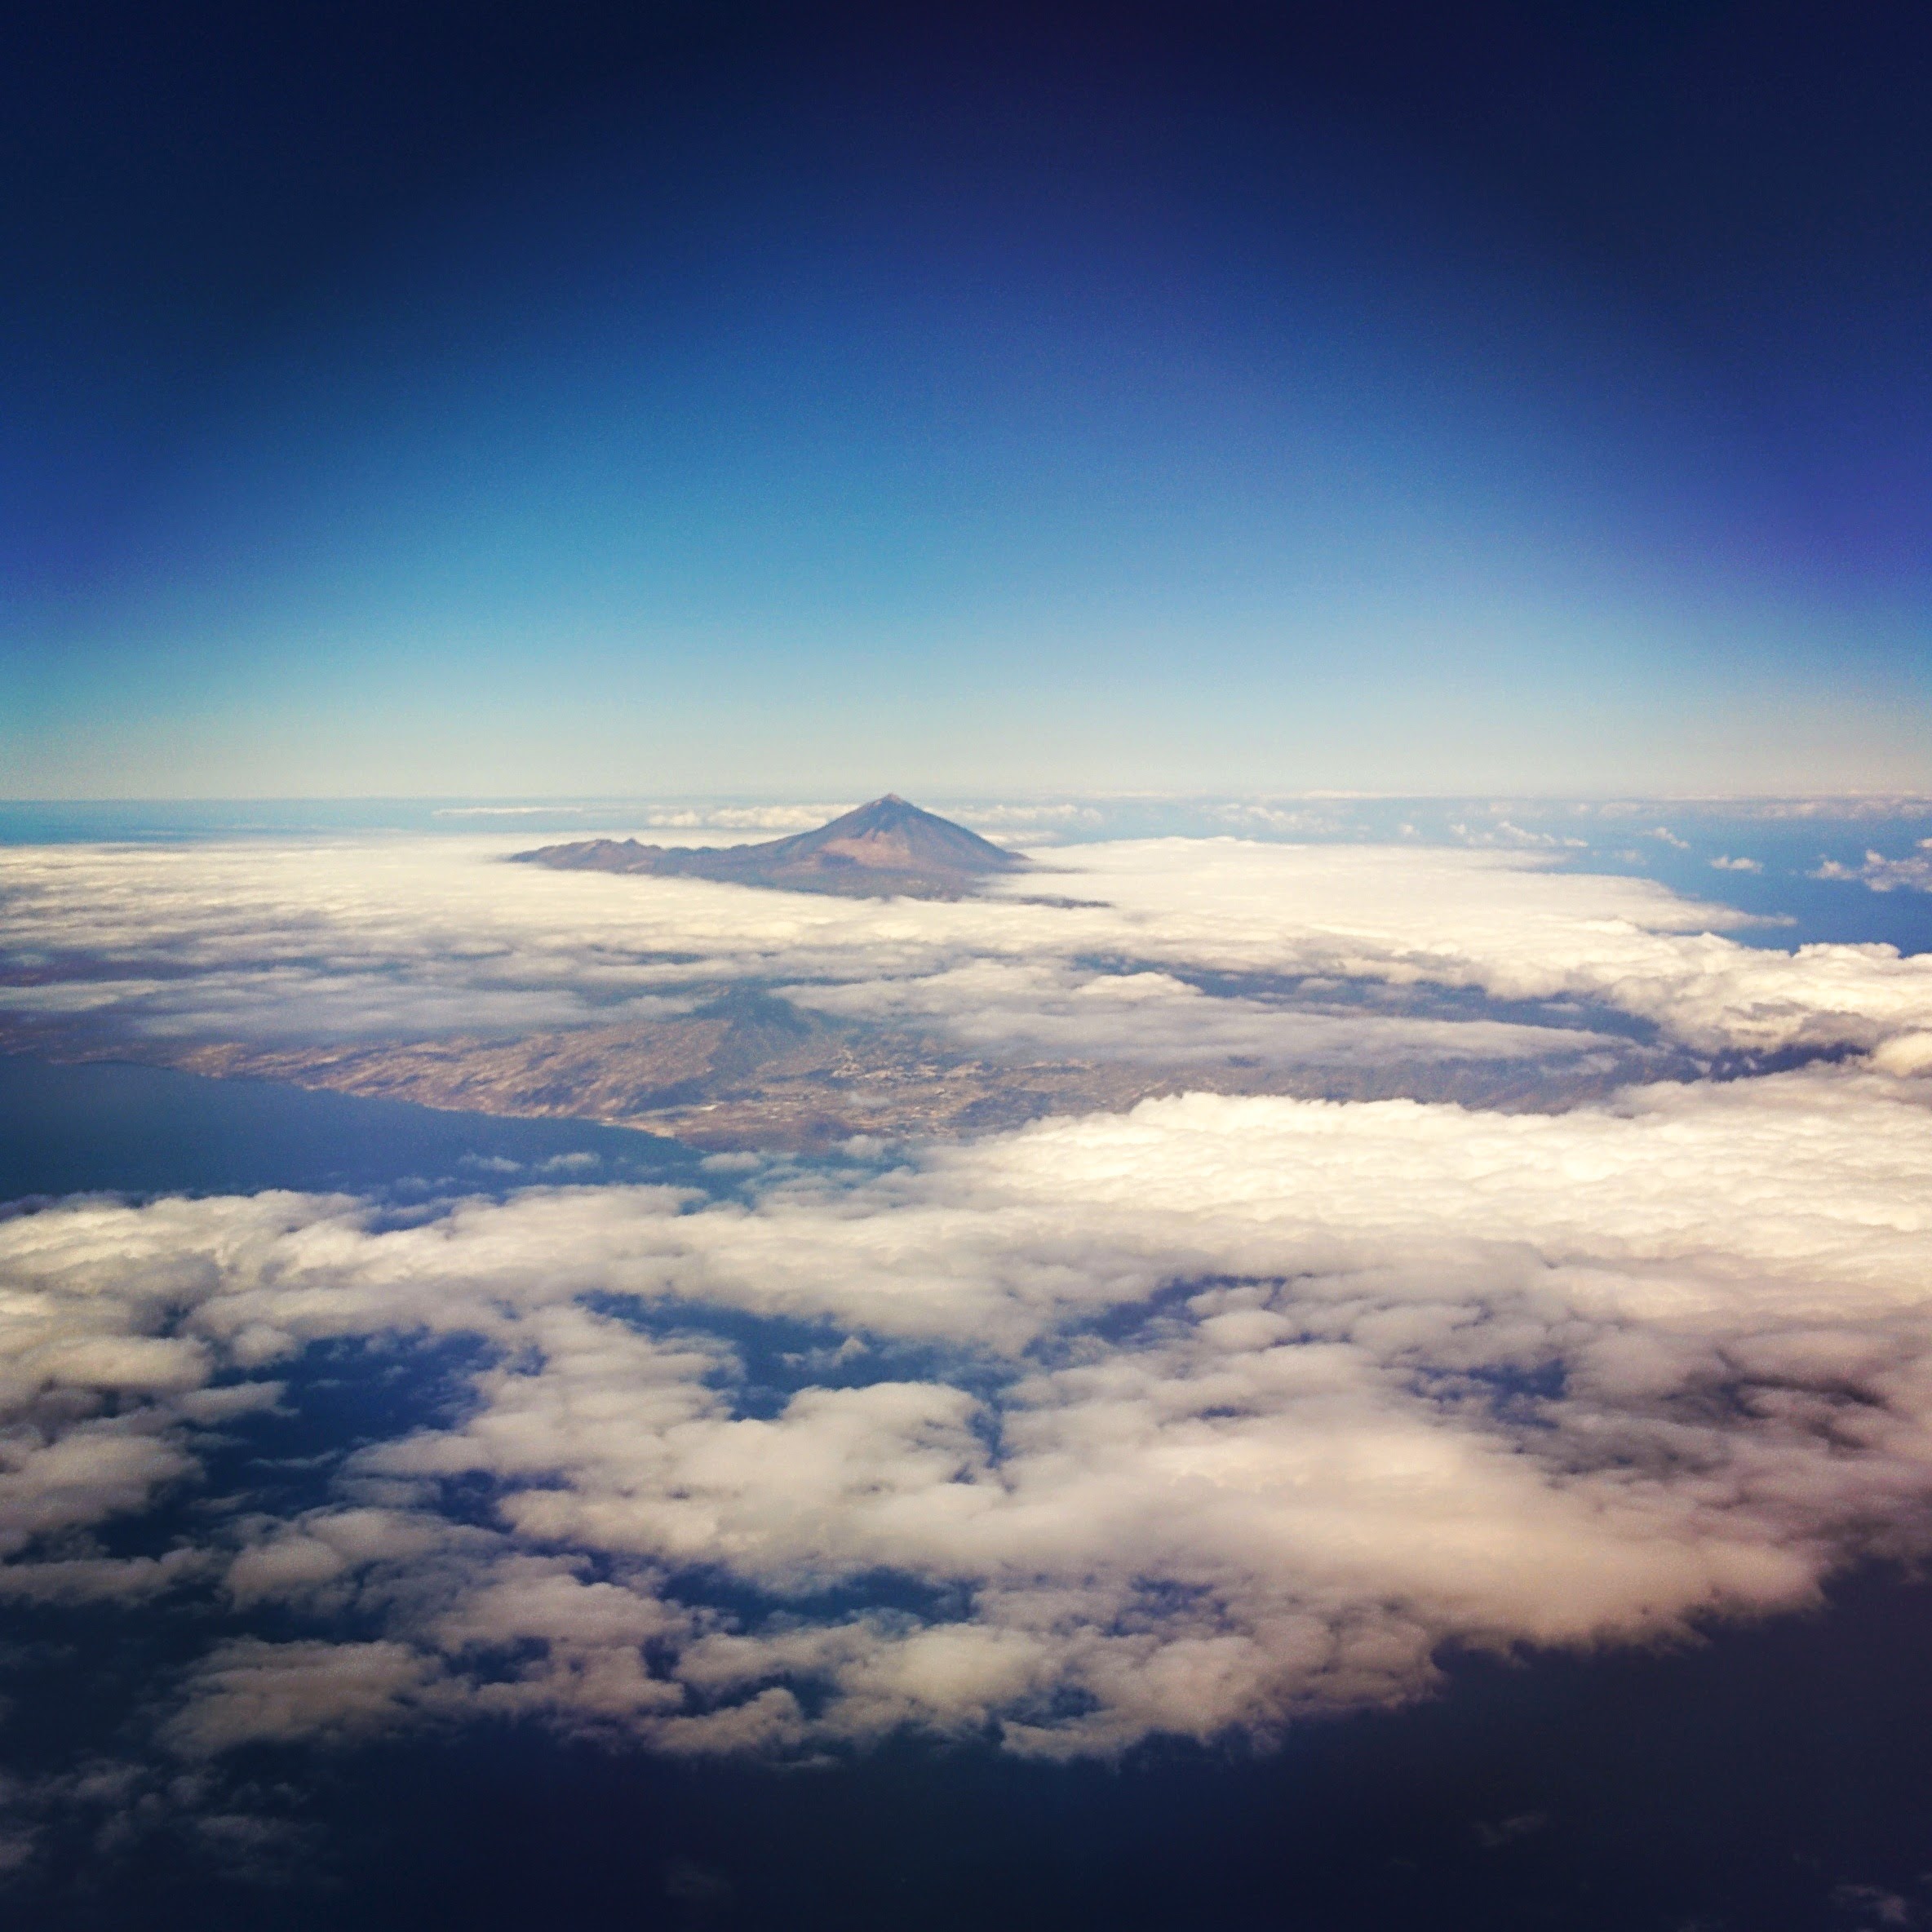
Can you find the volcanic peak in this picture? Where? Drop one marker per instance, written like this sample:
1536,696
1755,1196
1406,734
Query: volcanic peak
888,848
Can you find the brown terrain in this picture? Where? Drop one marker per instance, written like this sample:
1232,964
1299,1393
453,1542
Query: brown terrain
887,850
751,1071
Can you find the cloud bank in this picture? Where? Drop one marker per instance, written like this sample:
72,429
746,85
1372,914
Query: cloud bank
326,938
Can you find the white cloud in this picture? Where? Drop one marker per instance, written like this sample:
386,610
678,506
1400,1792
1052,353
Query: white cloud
1502,924
1056,1007
1910,874
763,819
544,811
1282,820
82,1579
249,1691
1506,833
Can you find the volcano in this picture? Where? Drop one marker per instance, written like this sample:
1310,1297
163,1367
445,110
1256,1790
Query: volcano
887,850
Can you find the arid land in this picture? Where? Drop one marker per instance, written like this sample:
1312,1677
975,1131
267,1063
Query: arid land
750,1070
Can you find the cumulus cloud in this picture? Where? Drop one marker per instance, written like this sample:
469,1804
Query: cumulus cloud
1193,1418
421,936
249,1691
99,1393
1506,832
1299,819
1913,873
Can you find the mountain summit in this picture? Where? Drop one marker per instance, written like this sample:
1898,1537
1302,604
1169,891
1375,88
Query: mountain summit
886,849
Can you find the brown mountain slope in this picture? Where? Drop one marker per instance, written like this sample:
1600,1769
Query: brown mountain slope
886,849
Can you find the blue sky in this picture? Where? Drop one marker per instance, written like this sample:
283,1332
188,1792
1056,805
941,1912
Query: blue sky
1155,411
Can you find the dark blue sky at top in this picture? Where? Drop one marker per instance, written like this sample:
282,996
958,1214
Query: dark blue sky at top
441,399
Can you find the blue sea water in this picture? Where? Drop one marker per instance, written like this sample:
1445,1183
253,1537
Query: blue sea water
143,1130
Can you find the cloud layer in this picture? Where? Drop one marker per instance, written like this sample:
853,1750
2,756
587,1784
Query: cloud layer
1193,1418
398,937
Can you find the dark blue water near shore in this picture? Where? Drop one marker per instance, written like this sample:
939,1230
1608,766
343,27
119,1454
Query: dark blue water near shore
142,1130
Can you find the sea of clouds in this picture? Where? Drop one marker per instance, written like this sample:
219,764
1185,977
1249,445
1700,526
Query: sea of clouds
1191,1419
1100,955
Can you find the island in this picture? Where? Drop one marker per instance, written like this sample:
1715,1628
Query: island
887,850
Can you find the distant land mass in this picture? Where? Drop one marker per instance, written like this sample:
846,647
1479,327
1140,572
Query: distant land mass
887,850
747,1070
